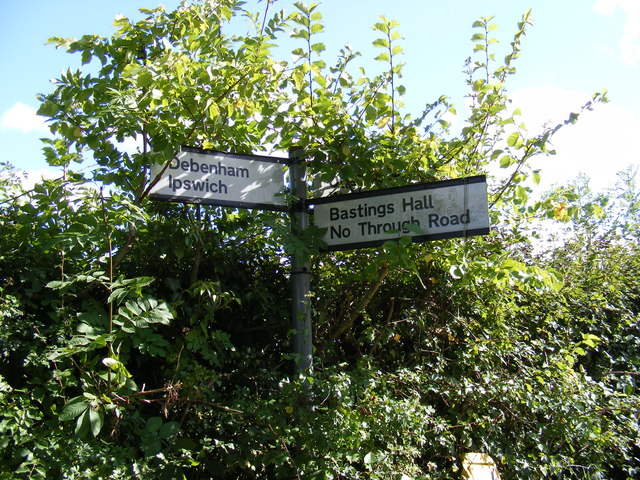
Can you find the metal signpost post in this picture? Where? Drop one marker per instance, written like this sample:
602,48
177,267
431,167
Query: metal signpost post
300,268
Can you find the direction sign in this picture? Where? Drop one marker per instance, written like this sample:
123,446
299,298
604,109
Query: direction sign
426,211
229,179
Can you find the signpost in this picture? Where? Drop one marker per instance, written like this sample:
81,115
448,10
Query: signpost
427,211
206,176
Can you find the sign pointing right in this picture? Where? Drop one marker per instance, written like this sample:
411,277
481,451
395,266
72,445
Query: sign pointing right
426,211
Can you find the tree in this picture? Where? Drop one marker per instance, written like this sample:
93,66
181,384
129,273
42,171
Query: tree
153,339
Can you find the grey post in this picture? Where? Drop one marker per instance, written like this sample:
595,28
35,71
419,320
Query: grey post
300,269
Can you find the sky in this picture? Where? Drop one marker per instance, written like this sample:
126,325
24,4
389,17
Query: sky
574,49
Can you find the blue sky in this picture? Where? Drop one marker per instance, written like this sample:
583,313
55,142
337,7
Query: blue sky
574,49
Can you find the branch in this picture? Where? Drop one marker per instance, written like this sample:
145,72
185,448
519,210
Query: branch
364,303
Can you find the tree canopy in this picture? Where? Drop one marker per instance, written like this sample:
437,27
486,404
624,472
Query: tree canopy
145,339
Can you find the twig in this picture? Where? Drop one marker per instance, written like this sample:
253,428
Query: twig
346,324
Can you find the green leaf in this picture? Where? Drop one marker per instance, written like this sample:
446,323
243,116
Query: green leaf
305,8
154,424
117,295
413,228
73,408
318,47
535,176
506,161
96,421
370,458
131,70
83,424
300,19
381,43
213,111
521,194
512,140
298,53
300,33
169,429
144,79
590,340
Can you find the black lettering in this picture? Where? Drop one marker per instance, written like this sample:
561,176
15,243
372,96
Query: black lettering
372,229
339,232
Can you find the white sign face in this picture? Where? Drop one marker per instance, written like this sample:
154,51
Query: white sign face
203,176
430,211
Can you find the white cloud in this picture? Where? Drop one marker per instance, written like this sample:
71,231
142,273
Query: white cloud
629,44
36,176
25,181
130,145
23,118
600,144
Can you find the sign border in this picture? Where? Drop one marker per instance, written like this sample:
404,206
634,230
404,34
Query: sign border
225,203
403,189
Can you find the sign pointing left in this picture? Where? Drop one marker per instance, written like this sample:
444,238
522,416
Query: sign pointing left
227,179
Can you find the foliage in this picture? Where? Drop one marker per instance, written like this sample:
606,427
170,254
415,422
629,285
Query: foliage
143,339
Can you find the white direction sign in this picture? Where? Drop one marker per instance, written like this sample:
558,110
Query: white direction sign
427,211
205,176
